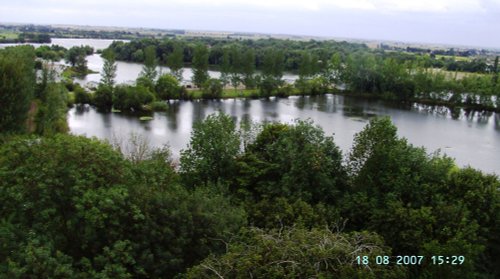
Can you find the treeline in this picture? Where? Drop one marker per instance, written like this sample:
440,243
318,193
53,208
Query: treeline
323,66
415,80
40,38
30,104
291,50
288,204
134,51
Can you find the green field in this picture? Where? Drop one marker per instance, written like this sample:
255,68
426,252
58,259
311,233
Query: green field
456,58
8,35
238,93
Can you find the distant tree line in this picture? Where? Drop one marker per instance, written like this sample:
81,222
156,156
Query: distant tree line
39,38
323,65
134,50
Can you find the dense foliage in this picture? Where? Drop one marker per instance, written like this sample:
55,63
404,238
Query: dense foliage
323,66
88,212
74,207
17,83
267,200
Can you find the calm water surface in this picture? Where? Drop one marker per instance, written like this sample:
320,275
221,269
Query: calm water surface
472,139
126,72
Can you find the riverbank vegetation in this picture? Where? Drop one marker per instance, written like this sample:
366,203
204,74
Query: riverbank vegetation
273,200
326,67
258,200
7,37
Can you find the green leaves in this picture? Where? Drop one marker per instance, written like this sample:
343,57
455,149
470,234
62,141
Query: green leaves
74,207
17,83
295,161
211,153
200,65
297,253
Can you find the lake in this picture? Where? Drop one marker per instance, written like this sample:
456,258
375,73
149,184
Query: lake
126,72
472,139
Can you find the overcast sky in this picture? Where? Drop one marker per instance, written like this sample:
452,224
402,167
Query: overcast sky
462,22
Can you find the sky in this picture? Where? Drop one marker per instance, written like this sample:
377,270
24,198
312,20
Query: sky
457,22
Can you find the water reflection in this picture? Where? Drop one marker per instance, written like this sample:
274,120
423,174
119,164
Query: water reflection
434,127
172,115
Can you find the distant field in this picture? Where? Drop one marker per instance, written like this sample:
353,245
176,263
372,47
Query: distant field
4,34
456,58
460,75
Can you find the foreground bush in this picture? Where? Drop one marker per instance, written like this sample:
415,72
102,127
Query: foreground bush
298,253
74,207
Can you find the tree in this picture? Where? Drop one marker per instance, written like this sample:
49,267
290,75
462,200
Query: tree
51,115
273,63
248,68
103,97
175,61
200,65
17,84
108,74
334,71
308,65
127,97
72,55
210,155
212,89
294,162
76,56
81,95
150,62
81,64
225,69
167,87
90,213
236,65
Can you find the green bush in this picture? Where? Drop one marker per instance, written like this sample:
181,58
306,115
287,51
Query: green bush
212,89
167,87
127,97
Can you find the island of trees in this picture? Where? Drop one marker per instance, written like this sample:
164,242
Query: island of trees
263,200
255,69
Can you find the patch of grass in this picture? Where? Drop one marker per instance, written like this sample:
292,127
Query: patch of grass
456,58
458,74
71,98
159,106
8,35
146,118
238,93
70,73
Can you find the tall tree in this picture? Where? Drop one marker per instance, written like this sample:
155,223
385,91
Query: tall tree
225,68
248,68
150,62
211,153
200,65
109,68
274,63
236,68
76,57
51,115
175,61
334,69
495,72
306,65
17,83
